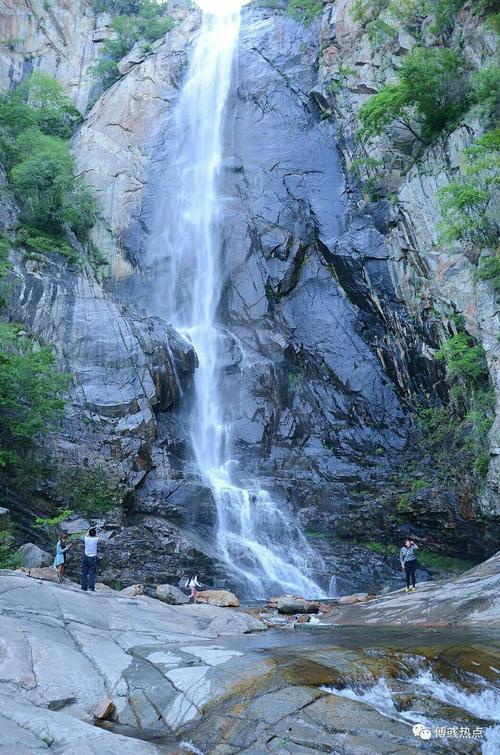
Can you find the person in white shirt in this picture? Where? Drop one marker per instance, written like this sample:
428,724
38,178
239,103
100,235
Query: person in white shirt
193,584
89,561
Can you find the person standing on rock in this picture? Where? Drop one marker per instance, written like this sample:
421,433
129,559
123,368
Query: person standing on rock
409,562
193,584
89,561
62,547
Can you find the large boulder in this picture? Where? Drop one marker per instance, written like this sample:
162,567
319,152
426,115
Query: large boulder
295,604
222,598
133,591
33,557
171,595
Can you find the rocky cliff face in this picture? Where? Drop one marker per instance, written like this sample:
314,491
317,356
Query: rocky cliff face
62,39
126,369
329,344
427,276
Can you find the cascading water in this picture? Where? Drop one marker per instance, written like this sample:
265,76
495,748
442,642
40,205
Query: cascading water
484,704
257,538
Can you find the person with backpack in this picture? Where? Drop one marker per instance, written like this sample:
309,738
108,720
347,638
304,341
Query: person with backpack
89,561
408,561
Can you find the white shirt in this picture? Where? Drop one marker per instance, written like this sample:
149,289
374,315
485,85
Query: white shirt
91,546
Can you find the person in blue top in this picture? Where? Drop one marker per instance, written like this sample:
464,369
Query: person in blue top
62,547
409,562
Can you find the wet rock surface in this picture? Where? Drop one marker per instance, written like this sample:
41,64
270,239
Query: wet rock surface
193,673
295,604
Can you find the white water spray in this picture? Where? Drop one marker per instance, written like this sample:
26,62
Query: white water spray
484,703
262,545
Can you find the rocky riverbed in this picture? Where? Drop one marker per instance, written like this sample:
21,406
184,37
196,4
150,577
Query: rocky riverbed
199,678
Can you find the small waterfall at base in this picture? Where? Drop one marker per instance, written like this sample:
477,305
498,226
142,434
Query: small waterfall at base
256,537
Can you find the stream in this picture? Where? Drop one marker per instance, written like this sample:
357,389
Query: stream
442,684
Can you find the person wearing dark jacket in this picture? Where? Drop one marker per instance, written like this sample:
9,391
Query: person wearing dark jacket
409,563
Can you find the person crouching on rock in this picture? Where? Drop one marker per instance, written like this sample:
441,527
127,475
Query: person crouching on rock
89,561
409,562
62,547
193,584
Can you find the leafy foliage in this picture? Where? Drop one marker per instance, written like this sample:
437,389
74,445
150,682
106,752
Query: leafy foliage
43,179
383,549
465,202
439,563
136,20
489,269
465,361
412,13
52,524
91,490
5,247
433,92
9,558
459,431
486,92
304,10
30,389
38,103
37,120
380,32
38,243
54,111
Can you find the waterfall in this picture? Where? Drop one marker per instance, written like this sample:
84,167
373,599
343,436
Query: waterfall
264,549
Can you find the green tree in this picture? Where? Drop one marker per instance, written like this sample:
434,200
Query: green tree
43,181
144,20
54,110
30,394
304,10
465,202
486,92
432,93
9,558
464,360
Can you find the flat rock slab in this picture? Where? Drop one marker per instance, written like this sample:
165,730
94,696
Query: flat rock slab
66,653
48,573
27,728
471,598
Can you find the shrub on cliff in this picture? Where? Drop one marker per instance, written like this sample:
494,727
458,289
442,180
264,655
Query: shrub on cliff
43,179
304,10
30,394
142,20
465,203
36,121
9,558
432,93
89,490
40,102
